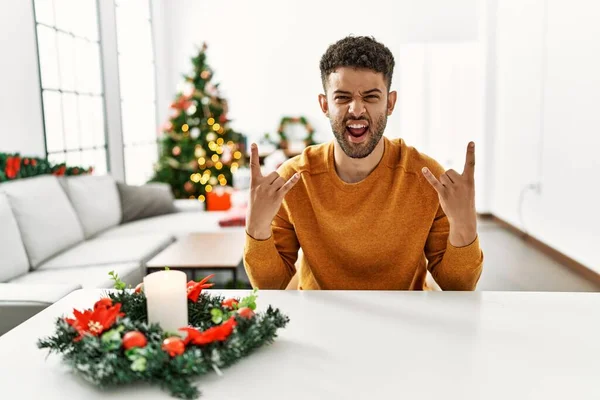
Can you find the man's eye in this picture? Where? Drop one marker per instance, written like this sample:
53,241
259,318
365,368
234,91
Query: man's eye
372,96
342,98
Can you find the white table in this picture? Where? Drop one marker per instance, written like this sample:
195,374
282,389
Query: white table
369,345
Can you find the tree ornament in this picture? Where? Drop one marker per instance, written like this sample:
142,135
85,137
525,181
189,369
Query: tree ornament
176,151
188,187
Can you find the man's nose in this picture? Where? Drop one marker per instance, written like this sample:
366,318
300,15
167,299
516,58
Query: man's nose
357,108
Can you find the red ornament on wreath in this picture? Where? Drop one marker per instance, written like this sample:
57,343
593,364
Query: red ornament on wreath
134,339
246,312
173,345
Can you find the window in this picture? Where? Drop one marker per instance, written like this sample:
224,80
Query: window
138,93
72,90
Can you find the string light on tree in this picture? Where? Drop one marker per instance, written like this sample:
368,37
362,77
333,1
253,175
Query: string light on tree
199,151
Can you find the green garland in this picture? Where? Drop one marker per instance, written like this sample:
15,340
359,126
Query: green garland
14,166
103,361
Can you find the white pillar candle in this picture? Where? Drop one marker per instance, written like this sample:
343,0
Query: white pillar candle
166,299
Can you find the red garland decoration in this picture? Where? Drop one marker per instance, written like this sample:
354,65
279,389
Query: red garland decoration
215,334
195,288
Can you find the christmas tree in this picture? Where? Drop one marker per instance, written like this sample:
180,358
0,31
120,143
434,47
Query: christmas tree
199,152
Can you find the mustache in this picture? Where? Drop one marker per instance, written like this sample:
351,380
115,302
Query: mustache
357,119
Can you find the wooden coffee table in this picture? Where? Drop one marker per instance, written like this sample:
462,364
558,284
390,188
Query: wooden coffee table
212,251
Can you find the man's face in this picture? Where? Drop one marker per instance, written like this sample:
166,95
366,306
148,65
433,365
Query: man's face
357,104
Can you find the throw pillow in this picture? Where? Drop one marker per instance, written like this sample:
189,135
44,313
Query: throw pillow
150,200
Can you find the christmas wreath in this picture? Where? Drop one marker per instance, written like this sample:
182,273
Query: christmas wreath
113,344
283,139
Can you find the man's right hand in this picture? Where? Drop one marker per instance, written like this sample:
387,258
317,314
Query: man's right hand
266,196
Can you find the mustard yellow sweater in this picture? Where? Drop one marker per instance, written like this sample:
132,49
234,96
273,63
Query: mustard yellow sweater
378,234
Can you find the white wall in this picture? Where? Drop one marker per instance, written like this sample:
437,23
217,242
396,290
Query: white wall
266,53
548,124
266,56
21,122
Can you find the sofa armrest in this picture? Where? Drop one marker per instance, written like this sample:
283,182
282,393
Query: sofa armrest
19,302
187,205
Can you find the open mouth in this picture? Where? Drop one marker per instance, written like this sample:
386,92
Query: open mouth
357,132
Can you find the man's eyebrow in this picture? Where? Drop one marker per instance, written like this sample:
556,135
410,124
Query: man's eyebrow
341,92
372,91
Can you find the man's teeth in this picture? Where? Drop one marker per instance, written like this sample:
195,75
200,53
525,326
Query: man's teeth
357,126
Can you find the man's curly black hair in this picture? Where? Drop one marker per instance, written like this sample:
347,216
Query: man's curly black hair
358,52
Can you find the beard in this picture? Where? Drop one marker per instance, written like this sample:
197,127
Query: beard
363,149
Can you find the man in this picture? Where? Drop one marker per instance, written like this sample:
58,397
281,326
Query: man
367,211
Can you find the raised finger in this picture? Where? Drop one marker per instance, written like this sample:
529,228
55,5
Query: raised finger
289,184
254,162
432,180
470,161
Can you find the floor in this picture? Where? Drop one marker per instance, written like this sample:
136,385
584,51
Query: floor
513,265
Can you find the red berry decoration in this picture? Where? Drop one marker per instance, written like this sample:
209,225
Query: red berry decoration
134,339
246,312
139,288
173,345
229,302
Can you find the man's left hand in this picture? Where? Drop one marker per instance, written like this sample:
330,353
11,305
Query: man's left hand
457,198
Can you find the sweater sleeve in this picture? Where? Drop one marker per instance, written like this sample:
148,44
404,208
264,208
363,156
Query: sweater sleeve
270,263
453,268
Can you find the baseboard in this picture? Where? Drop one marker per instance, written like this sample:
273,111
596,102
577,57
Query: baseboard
554,254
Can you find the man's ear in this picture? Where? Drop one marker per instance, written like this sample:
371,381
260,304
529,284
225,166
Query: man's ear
324,105
391,102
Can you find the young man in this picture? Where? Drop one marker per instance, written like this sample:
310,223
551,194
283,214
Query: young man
367,211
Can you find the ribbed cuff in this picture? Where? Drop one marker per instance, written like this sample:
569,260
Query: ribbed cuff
466,254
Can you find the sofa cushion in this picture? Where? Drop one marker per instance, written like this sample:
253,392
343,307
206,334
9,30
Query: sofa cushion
19,302
150,200
46,219
92,276
177,224
13,258
97,251
96,201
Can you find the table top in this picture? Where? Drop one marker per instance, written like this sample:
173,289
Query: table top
200,250
358,345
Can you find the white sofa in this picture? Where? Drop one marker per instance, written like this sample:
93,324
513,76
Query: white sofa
61,234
